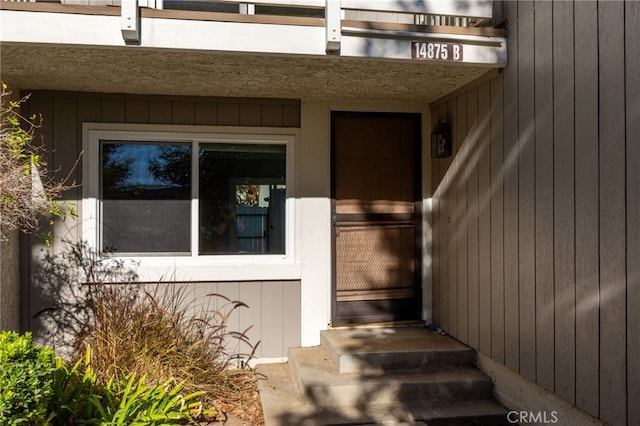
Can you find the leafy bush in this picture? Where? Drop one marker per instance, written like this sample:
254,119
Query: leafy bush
26,377
79,398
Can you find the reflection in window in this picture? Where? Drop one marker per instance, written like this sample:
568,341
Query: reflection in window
146,197
242,198
146,191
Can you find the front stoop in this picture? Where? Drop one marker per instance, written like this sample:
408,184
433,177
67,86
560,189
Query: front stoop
389,376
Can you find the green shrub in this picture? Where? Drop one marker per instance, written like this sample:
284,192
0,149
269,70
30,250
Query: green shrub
79,398
130,401
73,390
26,377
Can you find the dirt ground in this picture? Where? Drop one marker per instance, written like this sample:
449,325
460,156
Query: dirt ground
250,414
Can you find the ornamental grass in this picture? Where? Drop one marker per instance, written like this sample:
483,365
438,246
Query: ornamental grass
161,331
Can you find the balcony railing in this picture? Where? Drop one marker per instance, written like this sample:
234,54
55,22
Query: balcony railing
433,13
379,22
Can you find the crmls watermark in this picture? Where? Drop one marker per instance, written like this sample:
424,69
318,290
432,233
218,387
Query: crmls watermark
532,417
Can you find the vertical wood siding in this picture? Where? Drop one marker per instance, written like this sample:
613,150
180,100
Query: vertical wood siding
274,306
632,112
537,215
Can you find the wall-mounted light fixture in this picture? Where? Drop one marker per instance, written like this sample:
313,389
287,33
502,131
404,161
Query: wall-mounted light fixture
441,140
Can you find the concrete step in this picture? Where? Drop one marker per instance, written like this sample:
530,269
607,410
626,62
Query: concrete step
283,405
430,413
320,382
372,376
409,349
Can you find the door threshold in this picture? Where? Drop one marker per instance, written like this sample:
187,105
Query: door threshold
408,323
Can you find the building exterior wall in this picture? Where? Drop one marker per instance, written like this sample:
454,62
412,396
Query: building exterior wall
536,222
300,305
10,270
9,282
273,315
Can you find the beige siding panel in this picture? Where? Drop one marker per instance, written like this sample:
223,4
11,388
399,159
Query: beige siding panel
272,115
251,294
250,114
436,293
441,216
564,204
632,19
206,113
182,112
136,111
113,110
445,260
42,108
497,222
66,142
291,311
231,291
436,255
544,178
511,156
526,190
440,229
186,296
291,115
447,111
461,219
484,218
452,231
443,280
272,318
277,303
89,111
436,229
228,114
472,214
587,217
159,111
31,299
612,214
436,166
65,152
201,296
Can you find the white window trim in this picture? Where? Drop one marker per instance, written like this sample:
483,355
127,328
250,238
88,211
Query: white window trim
194,267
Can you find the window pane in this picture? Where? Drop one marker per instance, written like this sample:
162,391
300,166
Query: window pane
242,198
146,192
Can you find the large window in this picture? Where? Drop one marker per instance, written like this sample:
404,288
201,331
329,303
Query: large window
155,194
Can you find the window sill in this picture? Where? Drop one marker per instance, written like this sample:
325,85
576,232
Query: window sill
219,268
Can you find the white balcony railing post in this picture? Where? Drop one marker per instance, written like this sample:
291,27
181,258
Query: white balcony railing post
247,9
333,12
130,24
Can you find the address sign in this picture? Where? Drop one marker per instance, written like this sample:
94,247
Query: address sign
436,51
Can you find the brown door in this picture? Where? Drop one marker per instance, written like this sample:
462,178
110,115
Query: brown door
376,217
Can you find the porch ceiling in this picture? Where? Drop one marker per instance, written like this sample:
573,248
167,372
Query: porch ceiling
199,73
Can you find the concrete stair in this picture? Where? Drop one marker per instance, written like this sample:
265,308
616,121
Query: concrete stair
392,376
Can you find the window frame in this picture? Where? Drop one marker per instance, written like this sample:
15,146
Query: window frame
192,266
